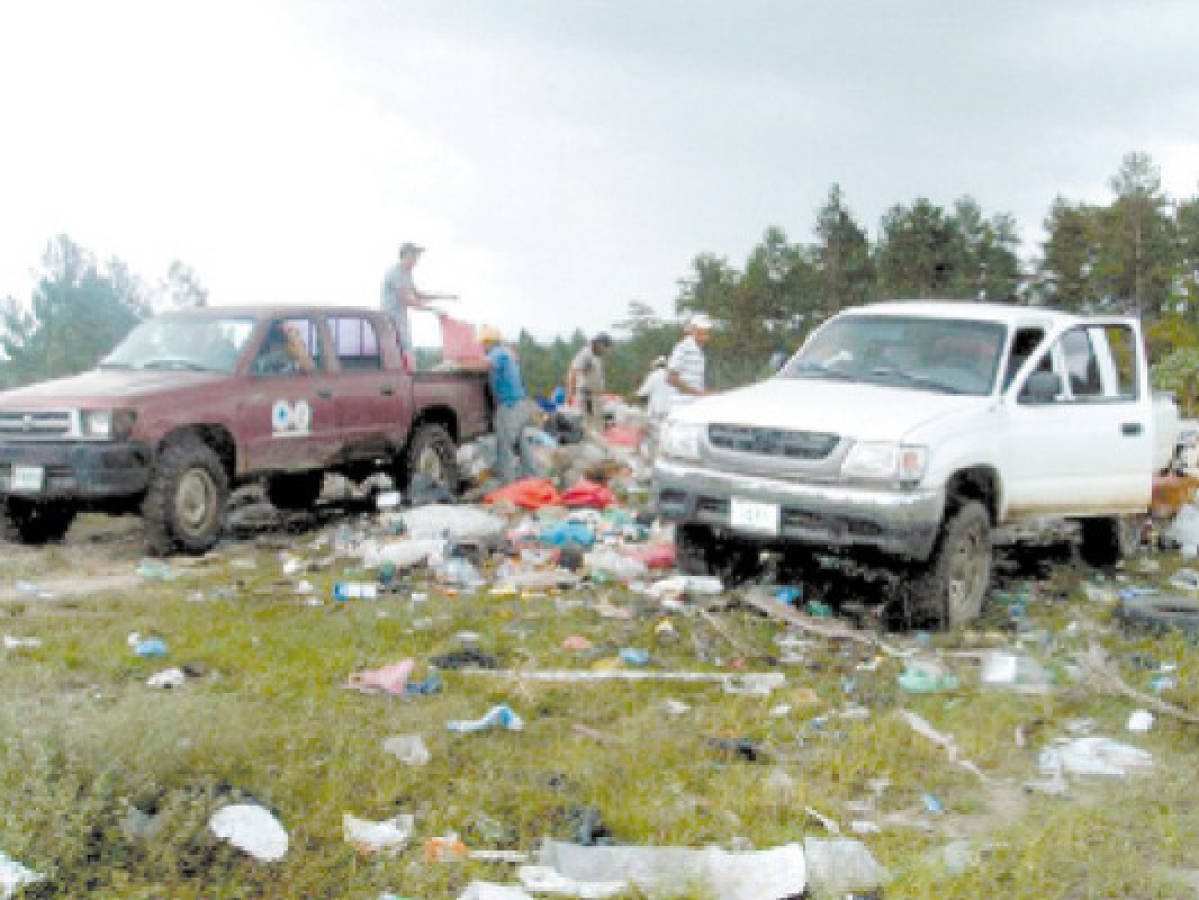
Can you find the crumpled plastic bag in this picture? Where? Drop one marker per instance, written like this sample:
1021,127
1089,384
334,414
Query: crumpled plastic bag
458,523
528,493
387,837
402,554
14,876
251,829
749,875
1095,756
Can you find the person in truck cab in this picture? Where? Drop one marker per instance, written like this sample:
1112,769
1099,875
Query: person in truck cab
283,353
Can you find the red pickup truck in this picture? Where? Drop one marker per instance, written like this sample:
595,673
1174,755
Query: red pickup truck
194,402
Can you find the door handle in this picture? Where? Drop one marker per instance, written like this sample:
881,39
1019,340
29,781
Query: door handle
387,390
325,394
1130,429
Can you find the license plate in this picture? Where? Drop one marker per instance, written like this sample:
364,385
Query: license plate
749,515
27,478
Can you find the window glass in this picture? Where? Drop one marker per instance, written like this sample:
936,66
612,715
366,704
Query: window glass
1023,344
196,342
1082,365
356,343
1120,341
923,353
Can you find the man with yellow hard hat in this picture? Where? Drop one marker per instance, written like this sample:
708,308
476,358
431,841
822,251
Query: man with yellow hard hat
512,409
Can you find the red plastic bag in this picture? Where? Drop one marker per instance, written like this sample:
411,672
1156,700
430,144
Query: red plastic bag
655,556
458,343
625,436
528,493
588,493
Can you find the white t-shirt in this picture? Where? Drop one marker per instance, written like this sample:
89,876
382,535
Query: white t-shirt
656,389
687,361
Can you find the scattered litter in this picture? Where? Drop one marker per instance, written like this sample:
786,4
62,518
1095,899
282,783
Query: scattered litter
932,804
748,875
545,880
1016,672
675,707
20,643
576,643
607,562
387,837
468,658
459,524
927,677
409,749
634,656
514,857
388,500
1140,720
918,724
14,876
446,848
167,679
836,866
486,890
156,569
150,648
1094,756
251,829
1185,579
355,590
500,716
757,684
570,676
392,679
829,825
402,554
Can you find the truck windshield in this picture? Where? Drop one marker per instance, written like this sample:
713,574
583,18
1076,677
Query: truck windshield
952,356
192,343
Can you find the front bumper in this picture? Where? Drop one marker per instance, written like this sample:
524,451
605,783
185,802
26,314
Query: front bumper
78,470
900,522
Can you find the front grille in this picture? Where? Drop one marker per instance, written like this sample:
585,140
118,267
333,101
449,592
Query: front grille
776,442
34,424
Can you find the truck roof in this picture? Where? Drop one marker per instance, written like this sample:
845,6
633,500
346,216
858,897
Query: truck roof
1004,313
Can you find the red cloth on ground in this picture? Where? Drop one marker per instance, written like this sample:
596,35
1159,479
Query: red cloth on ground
528,493
588,493
458,342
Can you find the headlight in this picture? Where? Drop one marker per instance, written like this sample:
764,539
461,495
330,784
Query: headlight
876,461
681,439
107,424
97,423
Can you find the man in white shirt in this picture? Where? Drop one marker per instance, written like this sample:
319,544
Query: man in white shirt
585,380
656,392
685,368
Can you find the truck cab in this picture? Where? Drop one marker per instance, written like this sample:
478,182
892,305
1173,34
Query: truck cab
909,431
194,401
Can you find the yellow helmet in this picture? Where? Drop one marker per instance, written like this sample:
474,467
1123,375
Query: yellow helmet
489,334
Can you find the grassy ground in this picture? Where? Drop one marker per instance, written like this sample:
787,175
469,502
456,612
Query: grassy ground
85,744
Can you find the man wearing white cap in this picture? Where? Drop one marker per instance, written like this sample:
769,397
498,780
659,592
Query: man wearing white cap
400,294
685,368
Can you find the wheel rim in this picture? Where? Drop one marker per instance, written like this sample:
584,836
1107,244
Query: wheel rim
968,573
429,463
195,502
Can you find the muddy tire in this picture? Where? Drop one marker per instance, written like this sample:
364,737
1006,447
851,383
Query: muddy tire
1108,540
698,551
295,490
29,522
948,591
431,453
184,507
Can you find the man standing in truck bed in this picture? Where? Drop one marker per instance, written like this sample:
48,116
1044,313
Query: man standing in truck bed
400,293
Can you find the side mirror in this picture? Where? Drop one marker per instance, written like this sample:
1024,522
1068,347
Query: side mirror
1041,387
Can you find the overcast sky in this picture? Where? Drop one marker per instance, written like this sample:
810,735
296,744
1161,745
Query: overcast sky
557,158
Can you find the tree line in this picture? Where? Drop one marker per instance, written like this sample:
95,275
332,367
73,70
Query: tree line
1138,253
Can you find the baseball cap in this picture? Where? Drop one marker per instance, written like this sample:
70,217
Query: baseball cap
701,322
409,247
489,334
602,338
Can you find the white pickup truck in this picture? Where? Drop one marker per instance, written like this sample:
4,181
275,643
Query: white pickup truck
905,432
